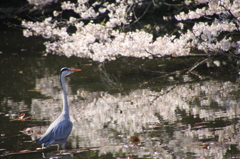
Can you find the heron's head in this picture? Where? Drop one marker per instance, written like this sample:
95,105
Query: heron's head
66,71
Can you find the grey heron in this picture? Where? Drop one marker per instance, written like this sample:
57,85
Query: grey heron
59,130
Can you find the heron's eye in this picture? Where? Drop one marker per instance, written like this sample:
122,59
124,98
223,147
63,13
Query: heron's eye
64,69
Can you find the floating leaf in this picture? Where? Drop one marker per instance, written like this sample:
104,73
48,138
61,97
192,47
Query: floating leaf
22,115
32,90
38,132
135,139
205,147
23,118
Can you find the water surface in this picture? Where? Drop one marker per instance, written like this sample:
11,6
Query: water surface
128,108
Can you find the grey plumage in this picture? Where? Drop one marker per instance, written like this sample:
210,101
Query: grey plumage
60,129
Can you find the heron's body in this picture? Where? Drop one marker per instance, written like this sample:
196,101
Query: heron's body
60,129
57,132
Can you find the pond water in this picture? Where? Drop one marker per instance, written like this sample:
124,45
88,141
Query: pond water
124,109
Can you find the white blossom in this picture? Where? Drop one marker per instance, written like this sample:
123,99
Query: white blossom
102,42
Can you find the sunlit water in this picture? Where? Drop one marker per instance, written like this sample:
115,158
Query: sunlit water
179,115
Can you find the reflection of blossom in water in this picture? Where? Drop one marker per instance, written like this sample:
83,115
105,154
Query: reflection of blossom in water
104,120
109,121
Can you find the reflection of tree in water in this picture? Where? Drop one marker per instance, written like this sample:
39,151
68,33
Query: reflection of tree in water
177,118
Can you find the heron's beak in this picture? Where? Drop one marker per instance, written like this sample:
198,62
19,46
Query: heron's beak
75,70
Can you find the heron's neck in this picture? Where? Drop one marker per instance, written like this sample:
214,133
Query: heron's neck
65,110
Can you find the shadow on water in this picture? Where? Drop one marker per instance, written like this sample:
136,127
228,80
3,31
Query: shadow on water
128,108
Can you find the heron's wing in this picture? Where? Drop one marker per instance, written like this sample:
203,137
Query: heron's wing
57,132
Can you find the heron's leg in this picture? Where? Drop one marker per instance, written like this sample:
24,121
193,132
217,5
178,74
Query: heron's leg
43,146
58,147
43,155
63,146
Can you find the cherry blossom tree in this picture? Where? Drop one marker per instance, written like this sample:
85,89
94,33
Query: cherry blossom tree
101,29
